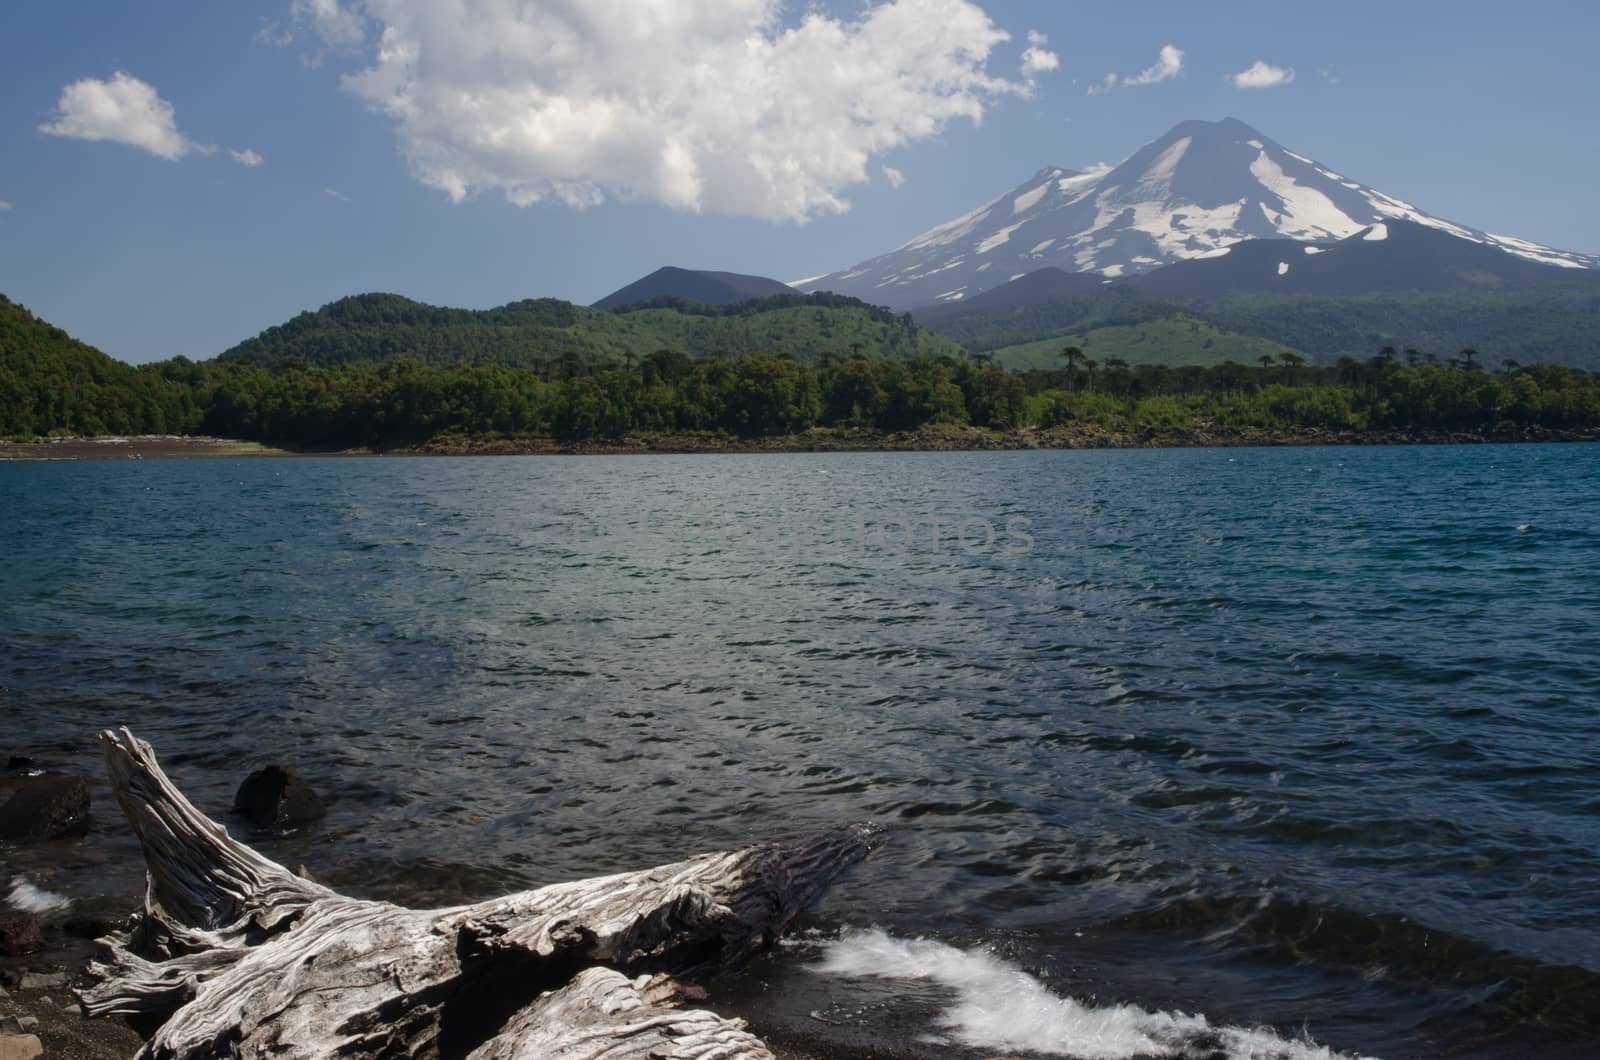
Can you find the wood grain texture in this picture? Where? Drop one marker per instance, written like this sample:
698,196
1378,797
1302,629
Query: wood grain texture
235,956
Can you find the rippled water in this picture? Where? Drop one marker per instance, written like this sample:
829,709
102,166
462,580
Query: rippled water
1299,737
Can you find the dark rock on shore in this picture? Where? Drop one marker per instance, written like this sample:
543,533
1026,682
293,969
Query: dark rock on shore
47,807
93,918
278,797
39,1017
19,935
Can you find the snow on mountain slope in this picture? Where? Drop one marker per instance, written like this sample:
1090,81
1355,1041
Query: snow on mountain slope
1191,194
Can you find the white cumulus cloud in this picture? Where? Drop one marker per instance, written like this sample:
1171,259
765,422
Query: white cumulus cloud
1168,64
723,106
893,176
1262,75
124,110
1037,59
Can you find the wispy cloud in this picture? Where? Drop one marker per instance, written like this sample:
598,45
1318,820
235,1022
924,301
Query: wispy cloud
332,194
338,26
4,206
708,106
329,25
273,34
123,110
1262,75
893,176
1168,64
246,157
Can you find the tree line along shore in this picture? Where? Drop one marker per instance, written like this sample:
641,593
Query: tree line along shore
759,401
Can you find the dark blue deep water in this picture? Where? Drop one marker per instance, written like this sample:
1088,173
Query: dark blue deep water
1307,738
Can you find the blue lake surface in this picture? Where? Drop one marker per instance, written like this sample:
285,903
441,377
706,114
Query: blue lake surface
1307,738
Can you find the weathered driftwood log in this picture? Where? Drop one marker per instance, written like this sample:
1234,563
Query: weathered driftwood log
234,955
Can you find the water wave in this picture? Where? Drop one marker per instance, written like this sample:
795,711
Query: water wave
31,899
998,1005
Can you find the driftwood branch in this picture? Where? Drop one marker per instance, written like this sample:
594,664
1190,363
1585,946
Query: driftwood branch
234,955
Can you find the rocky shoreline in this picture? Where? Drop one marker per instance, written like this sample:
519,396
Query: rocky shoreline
59,828
136,447
817,440
45,938
970,439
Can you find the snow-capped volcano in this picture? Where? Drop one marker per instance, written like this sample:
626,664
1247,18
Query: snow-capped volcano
1196,191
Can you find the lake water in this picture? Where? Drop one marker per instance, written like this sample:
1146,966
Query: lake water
1297,739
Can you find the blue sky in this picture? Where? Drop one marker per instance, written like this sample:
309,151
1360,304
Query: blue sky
701,134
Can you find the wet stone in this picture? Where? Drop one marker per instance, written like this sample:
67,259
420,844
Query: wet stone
19,935
49,806
43,980
278,797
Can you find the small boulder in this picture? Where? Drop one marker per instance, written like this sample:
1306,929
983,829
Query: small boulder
278,797
20,1047
43,980
19,935
48,806
90,926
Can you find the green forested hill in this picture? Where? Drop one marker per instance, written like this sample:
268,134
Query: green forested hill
51,384
1114,323
1552,326
1173,341
1012,325
50,381
1549,326
807,327
537,333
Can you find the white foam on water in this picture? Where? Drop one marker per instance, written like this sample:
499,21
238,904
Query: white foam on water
999,1006
30,899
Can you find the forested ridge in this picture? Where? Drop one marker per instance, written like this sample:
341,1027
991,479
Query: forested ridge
1555,325
50,384
535,333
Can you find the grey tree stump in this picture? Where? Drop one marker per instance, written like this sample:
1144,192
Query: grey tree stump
236,956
